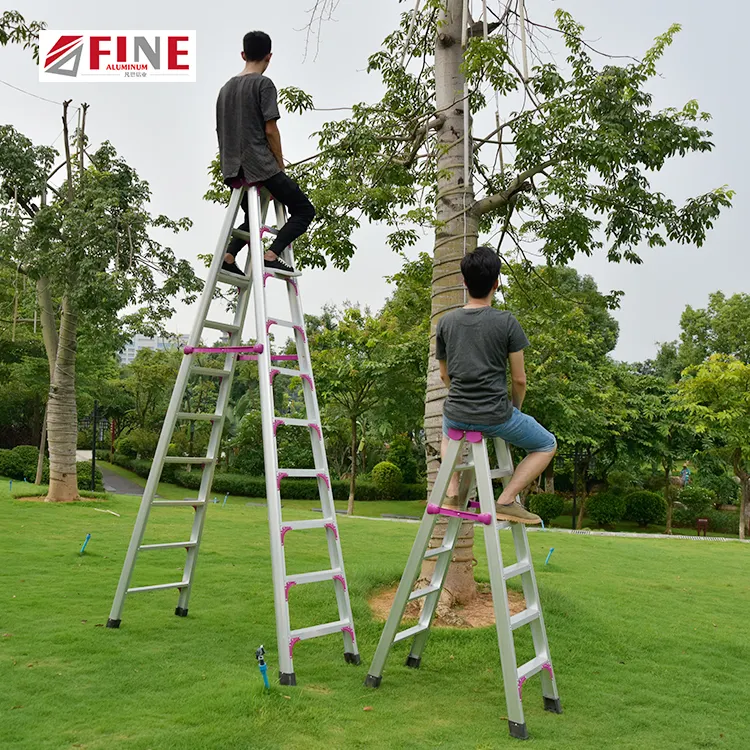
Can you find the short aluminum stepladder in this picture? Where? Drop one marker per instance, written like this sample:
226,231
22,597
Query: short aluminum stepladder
270,366
476,472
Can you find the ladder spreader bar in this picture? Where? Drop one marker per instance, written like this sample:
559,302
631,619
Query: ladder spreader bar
169,545
159,587
484,518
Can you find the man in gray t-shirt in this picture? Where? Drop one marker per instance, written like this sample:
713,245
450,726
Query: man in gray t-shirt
475,345
250,149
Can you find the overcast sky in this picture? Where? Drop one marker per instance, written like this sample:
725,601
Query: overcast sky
167,131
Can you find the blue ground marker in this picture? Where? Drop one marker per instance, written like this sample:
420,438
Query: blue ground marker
85,542
549,554
259,654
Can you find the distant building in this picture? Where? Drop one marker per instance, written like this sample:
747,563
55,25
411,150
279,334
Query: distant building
157,344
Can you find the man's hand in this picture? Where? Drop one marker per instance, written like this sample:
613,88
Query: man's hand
518,378
444,373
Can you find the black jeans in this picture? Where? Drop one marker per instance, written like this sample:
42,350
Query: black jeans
301,213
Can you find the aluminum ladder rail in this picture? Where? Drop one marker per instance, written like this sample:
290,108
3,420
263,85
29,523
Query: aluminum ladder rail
478,473
253,283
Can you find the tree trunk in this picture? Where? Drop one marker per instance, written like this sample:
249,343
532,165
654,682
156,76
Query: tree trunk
62,415
49,336
668,497
549,478
353,478
745,506
456,234
582,511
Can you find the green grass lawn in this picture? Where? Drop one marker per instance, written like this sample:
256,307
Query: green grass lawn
649,639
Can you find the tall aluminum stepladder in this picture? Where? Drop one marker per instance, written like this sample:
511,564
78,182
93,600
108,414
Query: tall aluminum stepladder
260,351
478,473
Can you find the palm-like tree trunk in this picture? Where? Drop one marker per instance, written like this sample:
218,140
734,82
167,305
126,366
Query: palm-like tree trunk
456,234
353,479
62,415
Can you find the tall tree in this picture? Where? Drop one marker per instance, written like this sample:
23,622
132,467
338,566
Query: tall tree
565,171
716,399
89,247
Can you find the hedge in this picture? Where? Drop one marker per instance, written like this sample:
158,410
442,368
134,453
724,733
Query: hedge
248,486
20,463
645,507
606,508
546,505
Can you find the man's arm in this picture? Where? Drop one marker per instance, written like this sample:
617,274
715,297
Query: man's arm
518,377
274,141
444,373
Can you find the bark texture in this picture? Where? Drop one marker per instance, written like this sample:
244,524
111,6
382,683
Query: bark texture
456,234
49,336
353,479
62,415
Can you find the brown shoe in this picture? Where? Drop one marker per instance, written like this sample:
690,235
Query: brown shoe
516,513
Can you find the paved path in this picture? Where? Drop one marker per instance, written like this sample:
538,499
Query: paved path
117,484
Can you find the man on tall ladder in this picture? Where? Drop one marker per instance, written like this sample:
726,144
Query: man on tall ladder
474,345
247,112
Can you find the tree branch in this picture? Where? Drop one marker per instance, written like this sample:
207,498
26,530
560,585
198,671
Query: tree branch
520,184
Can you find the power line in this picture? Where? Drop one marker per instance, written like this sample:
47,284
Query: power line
28,93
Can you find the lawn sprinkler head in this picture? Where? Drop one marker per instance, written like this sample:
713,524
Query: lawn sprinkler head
259,654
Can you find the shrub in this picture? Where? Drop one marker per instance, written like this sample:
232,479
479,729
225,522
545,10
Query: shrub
387,477
83,472
722,522
137,442
725,487
645,507
606,508
547,505
696,501
622,482
401,453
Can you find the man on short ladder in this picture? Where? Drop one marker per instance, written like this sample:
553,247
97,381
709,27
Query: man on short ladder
474,346
247,112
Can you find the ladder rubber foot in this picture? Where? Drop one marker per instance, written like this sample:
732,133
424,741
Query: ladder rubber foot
351,658
180,612
113,623
518,730
287,678
413,661
372,681
553,705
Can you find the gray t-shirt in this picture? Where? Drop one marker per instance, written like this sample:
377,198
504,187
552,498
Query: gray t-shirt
245,104
476,344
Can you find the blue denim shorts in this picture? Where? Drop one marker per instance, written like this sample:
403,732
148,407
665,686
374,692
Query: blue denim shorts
520,430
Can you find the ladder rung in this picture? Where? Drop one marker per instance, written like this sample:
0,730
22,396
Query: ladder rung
316,577
198,416
217,325
532,667
178,502
281,274
289,372
516,569
210,372
524,618
300,473
500,474
463,467
233,279
423,592
280,322
316,523
241,234
169,545
159,587
188,460
318,630
409,632
437,551
295,422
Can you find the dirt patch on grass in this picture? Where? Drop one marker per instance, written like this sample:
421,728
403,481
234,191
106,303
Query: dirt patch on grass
477,614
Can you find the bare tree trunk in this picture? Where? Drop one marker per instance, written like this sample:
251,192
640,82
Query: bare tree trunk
745,506
62,415
49,335
353,479
582,511
549,478
456,234
668,497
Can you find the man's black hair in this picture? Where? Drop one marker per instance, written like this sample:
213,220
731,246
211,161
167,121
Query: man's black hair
256,45
481,270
